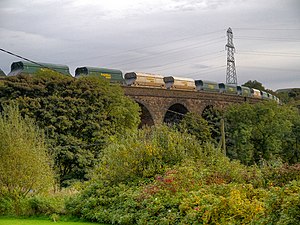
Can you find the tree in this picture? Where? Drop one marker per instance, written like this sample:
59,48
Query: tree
258,131
292,142
290,96
254,84
238,132
213,116
24,163
78,115
197,126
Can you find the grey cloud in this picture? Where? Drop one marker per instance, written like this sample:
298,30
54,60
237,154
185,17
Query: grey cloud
78,33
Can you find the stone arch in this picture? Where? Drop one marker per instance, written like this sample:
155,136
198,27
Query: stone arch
146,117
175,113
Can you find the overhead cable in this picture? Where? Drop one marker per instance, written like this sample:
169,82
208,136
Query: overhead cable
28,60
162,53
151,46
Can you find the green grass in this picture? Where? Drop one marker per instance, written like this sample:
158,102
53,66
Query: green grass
18,221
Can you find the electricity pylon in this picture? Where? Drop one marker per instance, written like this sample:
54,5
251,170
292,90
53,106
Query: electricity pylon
231,77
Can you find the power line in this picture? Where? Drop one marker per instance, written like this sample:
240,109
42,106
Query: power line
167,52
211,71
26,59
269,68
185,64
142,48
283,29
267,39
189,59
281,54
21,57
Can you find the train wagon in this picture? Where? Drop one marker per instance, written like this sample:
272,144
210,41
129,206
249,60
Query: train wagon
244,91
264,95
276,99
270,96
113,75
2,74
255,93
202,85
228,88
180,83
144,80
24,67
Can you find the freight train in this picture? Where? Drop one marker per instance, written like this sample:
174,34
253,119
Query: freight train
139,79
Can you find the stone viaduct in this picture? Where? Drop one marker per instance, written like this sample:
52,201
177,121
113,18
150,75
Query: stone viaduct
163,105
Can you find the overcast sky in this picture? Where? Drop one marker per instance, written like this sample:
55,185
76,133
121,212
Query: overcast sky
169,37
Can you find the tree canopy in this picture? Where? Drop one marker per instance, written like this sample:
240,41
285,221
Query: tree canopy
262,131
197,126
78,116
254,84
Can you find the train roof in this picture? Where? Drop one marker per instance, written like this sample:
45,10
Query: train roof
99,69
198,81
228,85
28,67
172,78
254,90
135,74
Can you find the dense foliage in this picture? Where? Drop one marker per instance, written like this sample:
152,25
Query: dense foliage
213,116
197,126
290,96
259,86
254,84
24,164
146,153
157,175
262,131
204,187
78,116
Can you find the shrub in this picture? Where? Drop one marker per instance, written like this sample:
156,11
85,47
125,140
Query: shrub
146,153
78,116
24,164
42,205
280,174
223,204
161,176
283,205
6,205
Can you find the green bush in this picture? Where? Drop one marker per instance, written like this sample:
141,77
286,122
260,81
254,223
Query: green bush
6,205
24,164
283,205
145,153
46,205
77,115
279,174
223,204
161,176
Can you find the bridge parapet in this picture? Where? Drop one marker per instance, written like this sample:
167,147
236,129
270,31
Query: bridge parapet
156,103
